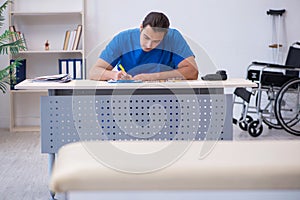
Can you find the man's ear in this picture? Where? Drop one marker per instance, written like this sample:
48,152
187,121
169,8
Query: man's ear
141,27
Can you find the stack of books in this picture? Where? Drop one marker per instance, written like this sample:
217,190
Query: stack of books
72,38
18,36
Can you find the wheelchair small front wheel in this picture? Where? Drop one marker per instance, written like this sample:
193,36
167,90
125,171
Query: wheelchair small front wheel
243,124
254,129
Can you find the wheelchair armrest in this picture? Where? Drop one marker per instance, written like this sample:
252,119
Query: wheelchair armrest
273,65
281,66
259,63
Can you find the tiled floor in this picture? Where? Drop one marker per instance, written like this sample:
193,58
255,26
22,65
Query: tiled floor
268,134
23,167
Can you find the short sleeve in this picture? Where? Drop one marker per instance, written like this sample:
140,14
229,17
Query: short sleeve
178,47
112,53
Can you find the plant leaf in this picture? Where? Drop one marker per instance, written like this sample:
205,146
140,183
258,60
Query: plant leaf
2,9
9,46
8,76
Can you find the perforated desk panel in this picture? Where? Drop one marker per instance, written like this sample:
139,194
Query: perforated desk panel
152,116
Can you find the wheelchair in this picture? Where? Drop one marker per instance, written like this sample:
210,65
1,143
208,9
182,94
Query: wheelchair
276,99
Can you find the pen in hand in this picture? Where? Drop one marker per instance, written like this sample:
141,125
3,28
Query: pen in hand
124,75
122,68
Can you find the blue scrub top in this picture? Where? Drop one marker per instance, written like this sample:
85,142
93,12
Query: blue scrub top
125,49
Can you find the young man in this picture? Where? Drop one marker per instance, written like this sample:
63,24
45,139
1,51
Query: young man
152,52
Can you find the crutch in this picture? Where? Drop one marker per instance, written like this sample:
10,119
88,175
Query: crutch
277,34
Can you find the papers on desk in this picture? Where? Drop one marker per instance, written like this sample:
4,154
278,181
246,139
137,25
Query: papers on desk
124,81
61,78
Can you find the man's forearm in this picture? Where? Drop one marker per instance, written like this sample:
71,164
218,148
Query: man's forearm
187,74
99,73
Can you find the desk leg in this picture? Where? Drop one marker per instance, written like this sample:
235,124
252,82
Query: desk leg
51,158
51,161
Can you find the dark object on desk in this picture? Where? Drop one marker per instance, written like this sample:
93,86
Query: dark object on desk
218,76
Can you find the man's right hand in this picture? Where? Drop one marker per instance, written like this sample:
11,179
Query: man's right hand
120,75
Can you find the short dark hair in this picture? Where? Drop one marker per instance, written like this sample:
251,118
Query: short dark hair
158,21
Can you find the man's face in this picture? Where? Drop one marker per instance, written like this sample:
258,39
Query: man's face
150,39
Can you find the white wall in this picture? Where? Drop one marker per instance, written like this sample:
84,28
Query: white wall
233,33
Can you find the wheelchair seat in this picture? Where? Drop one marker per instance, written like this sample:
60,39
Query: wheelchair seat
268,78
276,78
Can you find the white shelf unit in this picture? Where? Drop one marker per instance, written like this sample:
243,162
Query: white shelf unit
40,21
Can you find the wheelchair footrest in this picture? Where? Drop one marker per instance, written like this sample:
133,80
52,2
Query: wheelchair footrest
243,93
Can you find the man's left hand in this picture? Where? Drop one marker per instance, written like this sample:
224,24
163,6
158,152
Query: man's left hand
144,77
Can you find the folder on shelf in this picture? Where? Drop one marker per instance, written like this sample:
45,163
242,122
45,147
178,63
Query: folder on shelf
20,73
70,64
73,67
78,68
63,67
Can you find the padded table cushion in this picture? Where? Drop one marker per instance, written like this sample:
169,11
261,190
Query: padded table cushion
228,165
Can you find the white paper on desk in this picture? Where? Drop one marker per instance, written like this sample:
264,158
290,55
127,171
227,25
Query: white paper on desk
54,78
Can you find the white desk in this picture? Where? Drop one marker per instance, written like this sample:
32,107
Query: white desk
89,84
85,110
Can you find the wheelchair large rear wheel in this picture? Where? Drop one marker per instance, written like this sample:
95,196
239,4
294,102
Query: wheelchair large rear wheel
287,107
267,107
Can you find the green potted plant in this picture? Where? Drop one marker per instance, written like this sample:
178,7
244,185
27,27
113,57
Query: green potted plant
8,46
